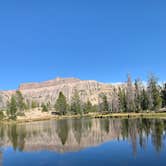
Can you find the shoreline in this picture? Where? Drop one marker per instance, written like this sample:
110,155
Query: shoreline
90,115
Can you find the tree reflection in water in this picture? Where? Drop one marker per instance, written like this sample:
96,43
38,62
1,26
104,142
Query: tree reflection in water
73,135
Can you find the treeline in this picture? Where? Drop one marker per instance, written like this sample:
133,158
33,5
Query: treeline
137,97
131,96
17,105
75,107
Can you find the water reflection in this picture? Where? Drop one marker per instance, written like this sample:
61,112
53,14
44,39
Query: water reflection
74,135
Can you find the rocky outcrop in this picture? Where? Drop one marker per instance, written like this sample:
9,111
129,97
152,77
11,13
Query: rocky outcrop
49,83
4,97
47,92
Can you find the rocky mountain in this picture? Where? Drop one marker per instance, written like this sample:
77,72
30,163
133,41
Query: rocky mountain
47,92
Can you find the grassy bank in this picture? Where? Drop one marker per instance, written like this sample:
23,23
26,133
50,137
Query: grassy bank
132,115
90,115
99,115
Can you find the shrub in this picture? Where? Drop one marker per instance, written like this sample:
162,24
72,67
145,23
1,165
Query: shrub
1,115
44,108
20,114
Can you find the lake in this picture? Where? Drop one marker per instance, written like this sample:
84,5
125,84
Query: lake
115,142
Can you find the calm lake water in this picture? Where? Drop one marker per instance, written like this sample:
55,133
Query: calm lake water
114,142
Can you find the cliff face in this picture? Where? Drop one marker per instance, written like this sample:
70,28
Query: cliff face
4,97
48,91
49,83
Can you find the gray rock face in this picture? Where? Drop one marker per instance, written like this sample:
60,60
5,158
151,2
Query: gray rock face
48,91
5,97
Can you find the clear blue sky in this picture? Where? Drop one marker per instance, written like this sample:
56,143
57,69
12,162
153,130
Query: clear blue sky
89,39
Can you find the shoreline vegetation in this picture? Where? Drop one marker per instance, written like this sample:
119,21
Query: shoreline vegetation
132,99
48,116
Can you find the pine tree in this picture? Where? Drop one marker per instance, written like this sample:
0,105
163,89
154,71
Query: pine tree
130,95
44,107
88,107
34,104
76,103
163,95
122,100
155,100
61,104
115,101
1,114
104,104
137,98
12,108
20,101
144,100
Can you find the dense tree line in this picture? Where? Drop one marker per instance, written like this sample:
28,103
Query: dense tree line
131,96
137,97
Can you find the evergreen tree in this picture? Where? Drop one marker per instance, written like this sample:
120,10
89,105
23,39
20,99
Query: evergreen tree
154,94
61,104
104,104
163,95
122,100
20,101
12,108
137,98
27,104
130,95
95,108
34,104
88,107
144,100
44,108
76,103
1,114
115,101
157,99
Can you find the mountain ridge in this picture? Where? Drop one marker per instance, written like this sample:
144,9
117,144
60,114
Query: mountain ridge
48,91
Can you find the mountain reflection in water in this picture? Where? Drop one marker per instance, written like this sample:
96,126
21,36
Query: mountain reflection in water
73,135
